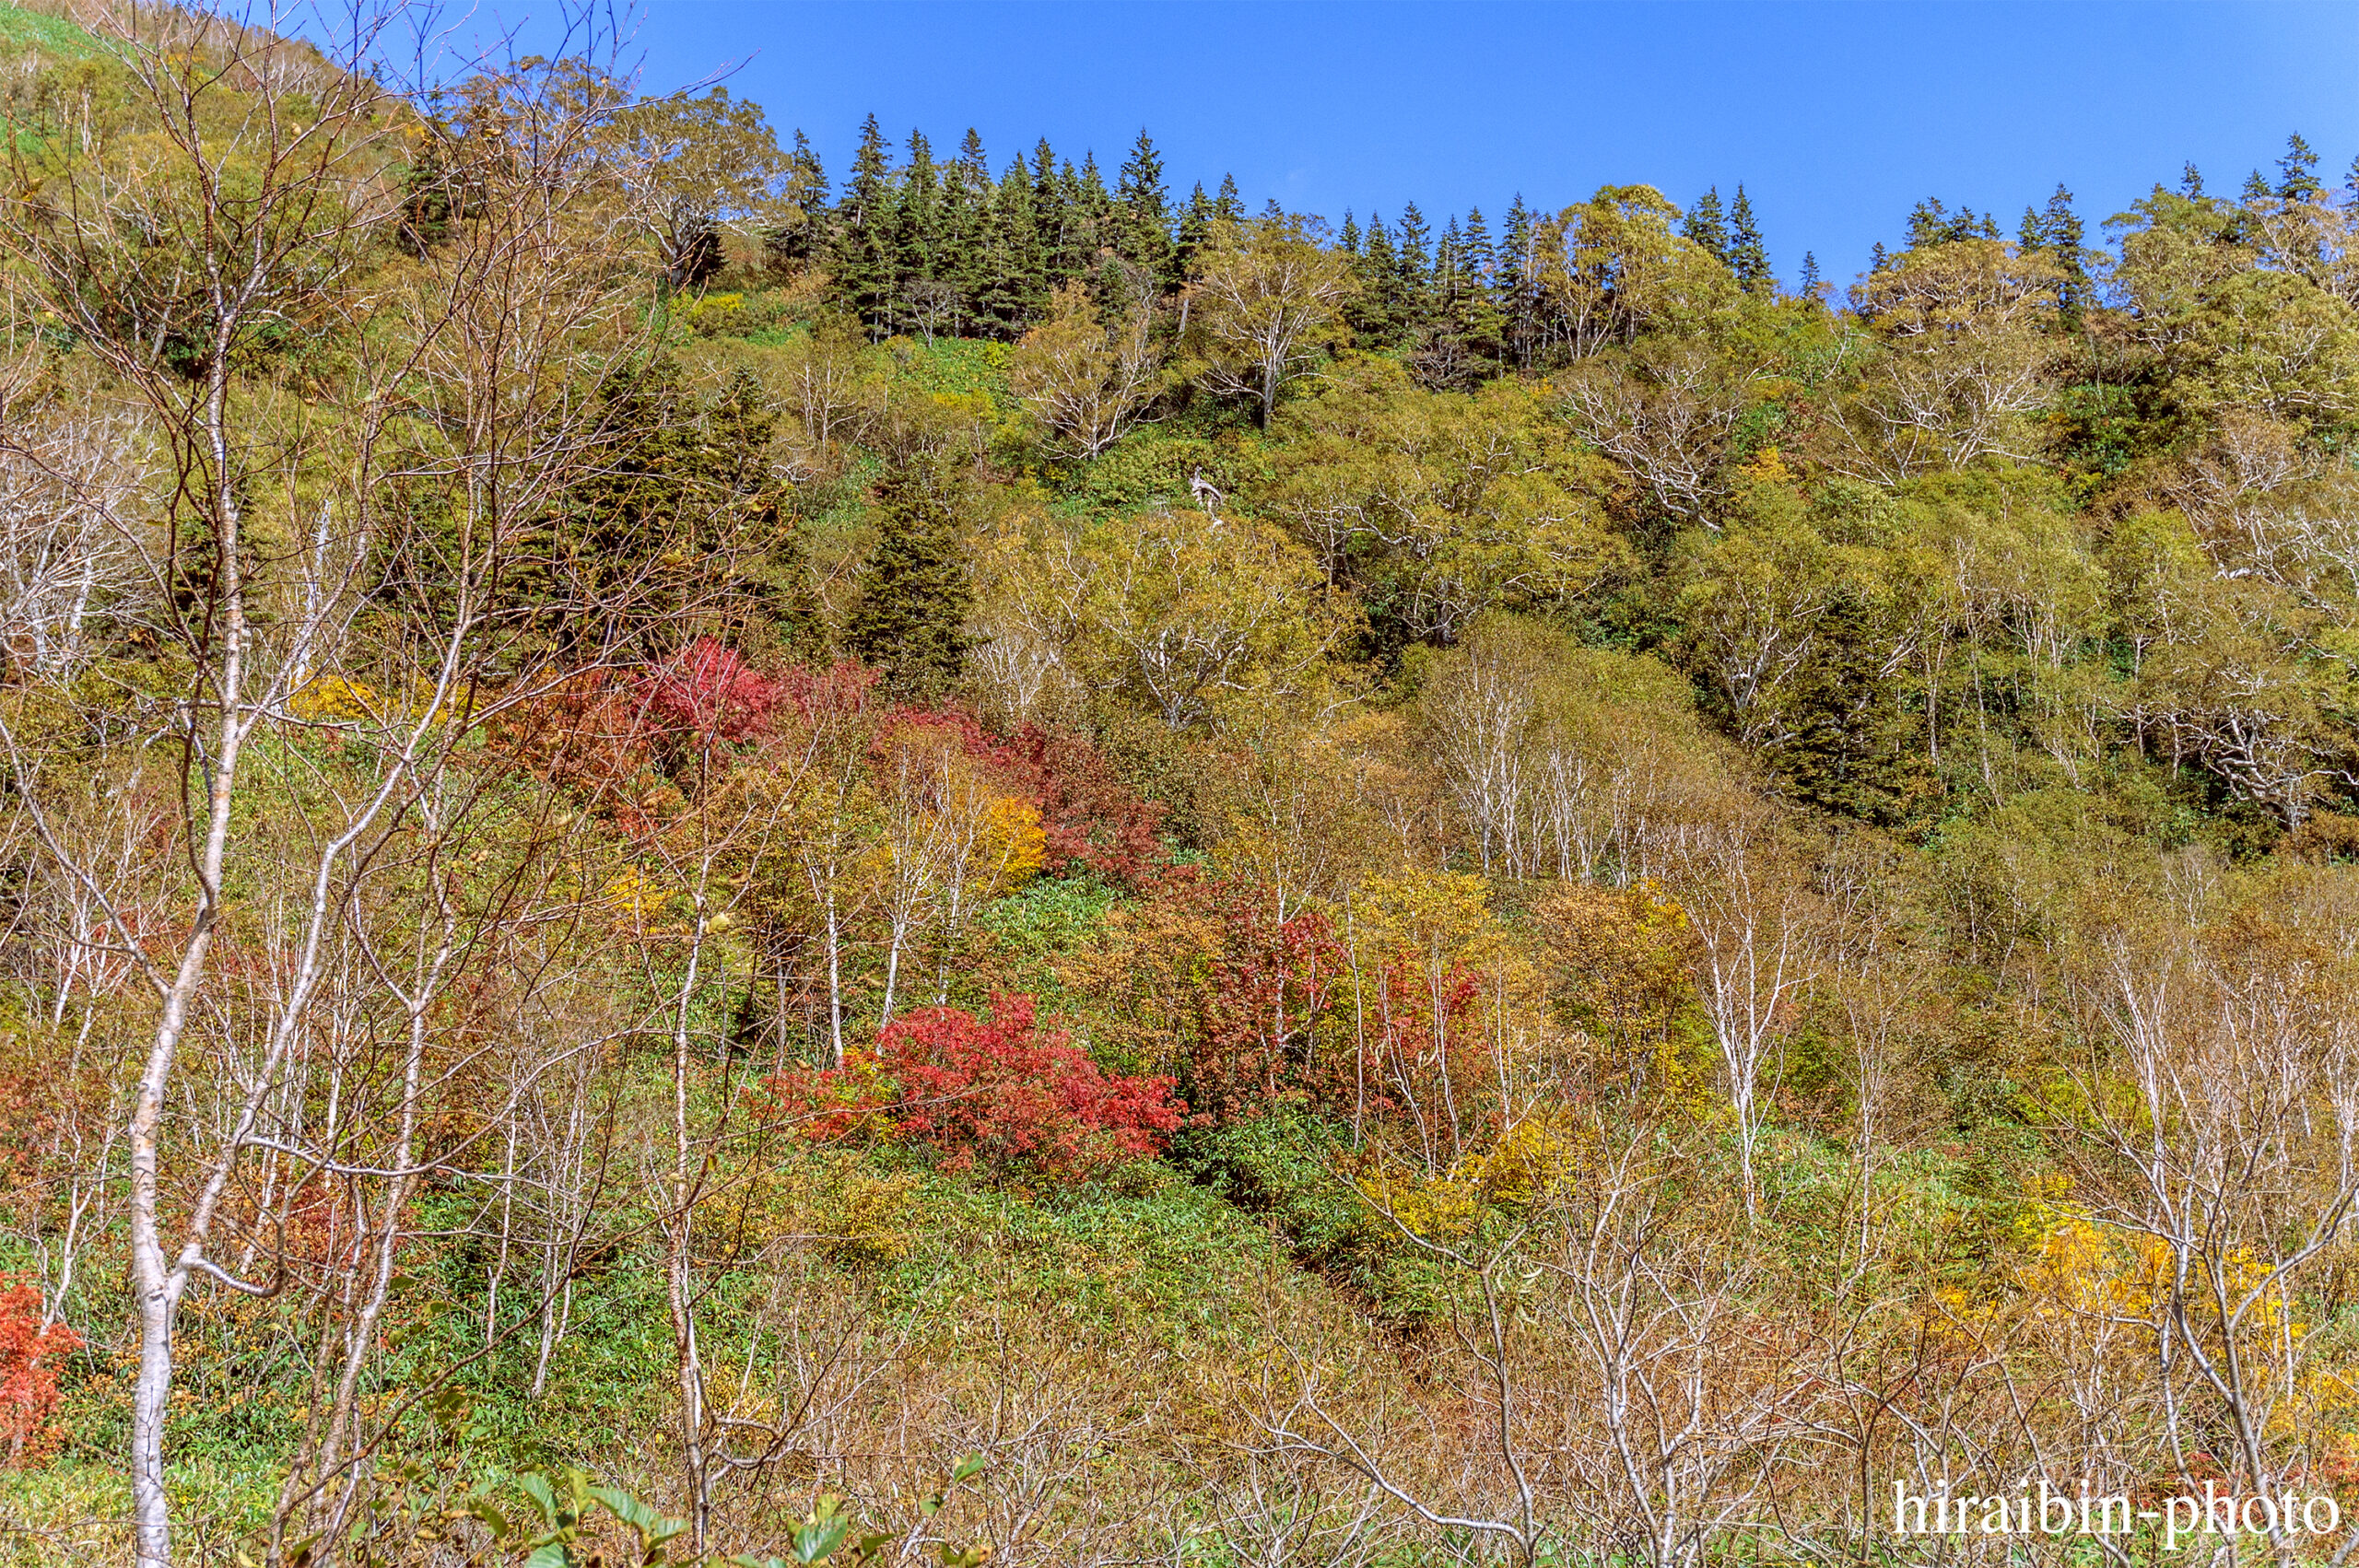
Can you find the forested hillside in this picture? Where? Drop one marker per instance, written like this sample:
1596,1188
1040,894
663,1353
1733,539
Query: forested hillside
924,865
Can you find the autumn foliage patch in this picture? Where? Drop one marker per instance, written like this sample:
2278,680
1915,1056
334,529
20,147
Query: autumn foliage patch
29,1355
998,1092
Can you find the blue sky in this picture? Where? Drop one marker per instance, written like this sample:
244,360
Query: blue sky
1837,117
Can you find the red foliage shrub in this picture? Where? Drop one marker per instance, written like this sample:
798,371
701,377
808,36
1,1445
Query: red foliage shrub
1264,993
1089,816
710,693
995,1092
27,1380
624,745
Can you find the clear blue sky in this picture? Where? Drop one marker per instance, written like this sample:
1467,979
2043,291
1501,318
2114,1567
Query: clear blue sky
1837,117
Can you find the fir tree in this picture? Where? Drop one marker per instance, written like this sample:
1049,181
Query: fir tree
963,260
2256,188
1747,257
916,239
1511,283
795,244
1808,283
2191,182
1374,313
1016,294
1878,259
1145,220
2059,236
1412,269
1094,217
1227,205
1076,248
910,618
1196,230
1475,245
1706,226
2351,181
864,258
2297,179
1348,238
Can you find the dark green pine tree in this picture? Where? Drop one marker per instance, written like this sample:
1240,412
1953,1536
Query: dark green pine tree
1413,265
1144,213
1347,239
2256,188
1227,205
1195,231
864,238
2351,181
1807,284
1748,258
1705,224
1096,206
916,239
909,621
2191,182
2027,234
1511,284
964,262
798,241
2297,177
1018,293
1474,247
1450,268
1879,259
1474,317
2060,237
772,569
432,196
1374,314
1052,210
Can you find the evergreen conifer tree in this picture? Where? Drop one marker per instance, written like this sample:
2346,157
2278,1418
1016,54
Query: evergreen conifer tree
795,244
1412,270
1374,313
2191,182
1228,204
863,265
1016,295
1145,219
2256,188
1347,239
1511,283
1450,266
1095,208
1195,229
2060,235
1706,226
910,618
965,260
1807,284
1747,257
2297,179
1475,245
916,225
